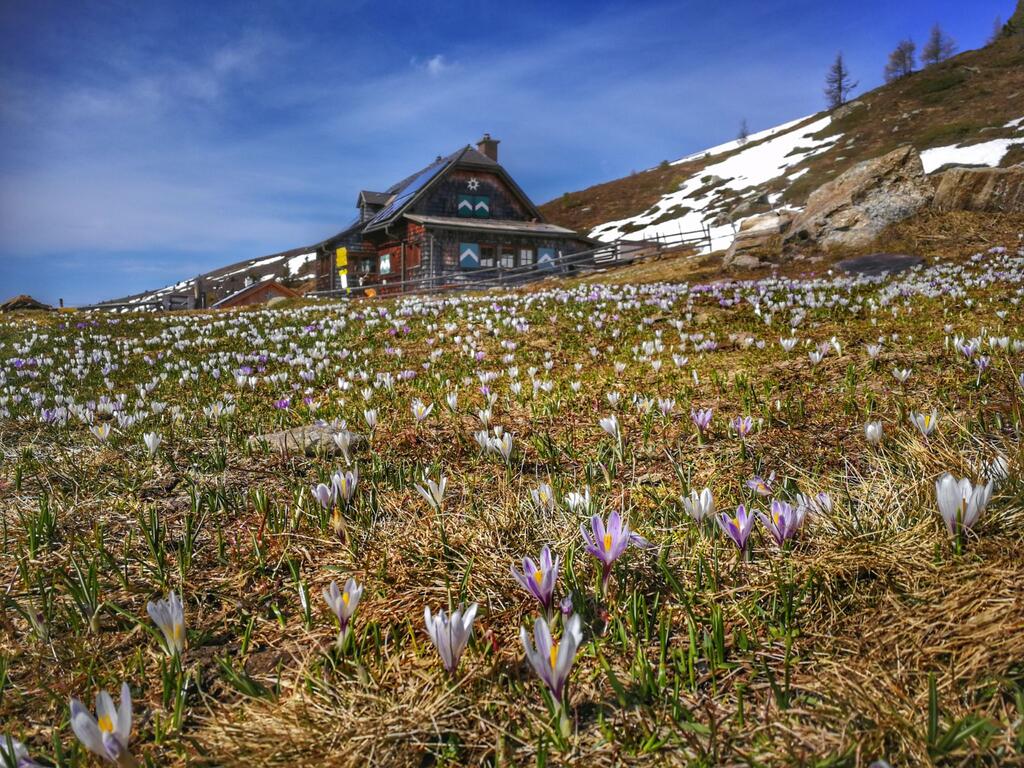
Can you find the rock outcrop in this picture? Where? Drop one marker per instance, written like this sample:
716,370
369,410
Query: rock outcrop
758,237
1000,190
850,211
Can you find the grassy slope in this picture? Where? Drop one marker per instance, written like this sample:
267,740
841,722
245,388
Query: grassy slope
964,99
823,654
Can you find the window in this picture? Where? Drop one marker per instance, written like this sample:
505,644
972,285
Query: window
525,257
365,266
487,256
385,263
508,259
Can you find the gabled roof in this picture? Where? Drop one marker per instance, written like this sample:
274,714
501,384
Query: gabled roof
408,190
280,290
373,198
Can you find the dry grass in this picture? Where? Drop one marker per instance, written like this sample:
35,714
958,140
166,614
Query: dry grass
821,655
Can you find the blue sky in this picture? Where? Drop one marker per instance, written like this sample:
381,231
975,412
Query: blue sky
145,142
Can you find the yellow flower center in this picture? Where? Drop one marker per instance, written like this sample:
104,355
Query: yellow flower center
554,654
538,576
178,630
607,542
106,724
344,598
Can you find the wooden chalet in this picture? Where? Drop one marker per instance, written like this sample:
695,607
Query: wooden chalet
461,219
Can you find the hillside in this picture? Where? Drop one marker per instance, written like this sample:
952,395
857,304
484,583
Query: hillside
968,110
292,267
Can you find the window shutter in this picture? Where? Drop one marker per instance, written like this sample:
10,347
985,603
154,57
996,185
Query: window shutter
469,255
546,258
466,206
482,207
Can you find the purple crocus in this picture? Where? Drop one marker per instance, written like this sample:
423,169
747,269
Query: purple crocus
743,426
737,528
760,485
550,660
609,542
701,418
783,520
540,580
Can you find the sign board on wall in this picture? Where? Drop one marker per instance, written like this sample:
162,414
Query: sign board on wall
341,258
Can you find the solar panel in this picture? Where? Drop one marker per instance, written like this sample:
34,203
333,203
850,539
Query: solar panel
403,195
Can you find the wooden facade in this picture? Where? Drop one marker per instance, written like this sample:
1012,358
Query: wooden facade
460,219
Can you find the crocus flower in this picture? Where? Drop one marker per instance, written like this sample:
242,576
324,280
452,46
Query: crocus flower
610,424
433,493
543,498
760,485
450,635
578,502
152,441
737,528
609,542
701,418
539,580
101,431
901,374
421,411
699,505
873,432
960,503
343,602
345,484
550,660
14,754
925,422
324,494
169,616
105,735
743,426
783,521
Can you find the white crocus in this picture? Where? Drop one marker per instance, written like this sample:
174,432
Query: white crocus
433,492
107,734
169,616
873,432
960,503
925,422
699,506
152,441
450,634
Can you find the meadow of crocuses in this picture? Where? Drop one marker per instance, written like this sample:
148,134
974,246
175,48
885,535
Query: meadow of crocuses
773,522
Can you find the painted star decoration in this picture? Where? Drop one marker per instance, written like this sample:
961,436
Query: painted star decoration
473,185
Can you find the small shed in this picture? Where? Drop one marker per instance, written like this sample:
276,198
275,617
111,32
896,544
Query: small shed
257,293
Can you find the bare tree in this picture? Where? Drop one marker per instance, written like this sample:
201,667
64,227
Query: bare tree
744,133
997,31
838,84
901,61
939,47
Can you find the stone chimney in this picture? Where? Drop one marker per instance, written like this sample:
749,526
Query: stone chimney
488,147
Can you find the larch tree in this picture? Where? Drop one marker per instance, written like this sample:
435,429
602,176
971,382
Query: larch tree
744,133
901,61
838,84
939,47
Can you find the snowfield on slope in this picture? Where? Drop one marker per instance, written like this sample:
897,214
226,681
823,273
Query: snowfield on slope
757,162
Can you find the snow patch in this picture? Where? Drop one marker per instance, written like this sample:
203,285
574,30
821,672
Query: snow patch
749,167
988,153
296,263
